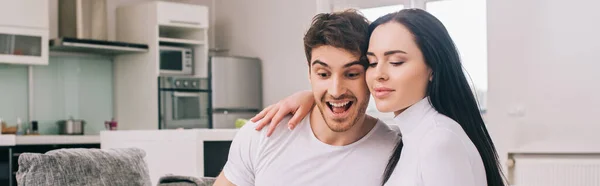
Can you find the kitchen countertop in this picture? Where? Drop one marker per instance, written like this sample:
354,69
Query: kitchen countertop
7,140
12,140
144,135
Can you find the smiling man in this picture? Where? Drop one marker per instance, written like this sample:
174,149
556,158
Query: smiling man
338,144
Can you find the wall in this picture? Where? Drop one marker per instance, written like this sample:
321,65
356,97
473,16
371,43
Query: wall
80,87
271,30
13,93
543,73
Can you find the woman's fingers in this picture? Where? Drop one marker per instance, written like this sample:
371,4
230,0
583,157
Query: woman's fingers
283,110
298,116
260,116
270,115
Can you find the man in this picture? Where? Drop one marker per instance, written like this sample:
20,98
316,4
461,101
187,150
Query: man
338,144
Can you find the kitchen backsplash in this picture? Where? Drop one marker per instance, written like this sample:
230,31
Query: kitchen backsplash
78,87
13,92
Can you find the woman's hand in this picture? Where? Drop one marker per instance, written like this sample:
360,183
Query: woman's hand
298,104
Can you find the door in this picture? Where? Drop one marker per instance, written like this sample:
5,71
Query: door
236,83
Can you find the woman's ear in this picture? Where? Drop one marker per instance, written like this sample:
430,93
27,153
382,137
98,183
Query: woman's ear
430,75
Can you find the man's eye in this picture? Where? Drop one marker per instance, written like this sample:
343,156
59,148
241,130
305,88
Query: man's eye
323,75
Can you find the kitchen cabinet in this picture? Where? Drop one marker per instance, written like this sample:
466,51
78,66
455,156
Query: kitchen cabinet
24,14
9,156
23,46
24,32
5,169
178,15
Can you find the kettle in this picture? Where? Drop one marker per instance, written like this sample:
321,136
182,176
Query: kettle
71,126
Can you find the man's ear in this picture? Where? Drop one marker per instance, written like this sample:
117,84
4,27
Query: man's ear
309,74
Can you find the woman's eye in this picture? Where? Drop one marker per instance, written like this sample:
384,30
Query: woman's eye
396,63
372,65
353,75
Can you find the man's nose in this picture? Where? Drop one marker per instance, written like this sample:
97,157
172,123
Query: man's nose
337,88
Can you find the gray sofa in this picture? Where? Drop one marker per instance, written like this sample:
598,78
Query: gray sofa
70,167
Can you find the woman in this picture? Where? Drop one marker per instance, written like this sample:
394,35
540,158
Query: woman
415,71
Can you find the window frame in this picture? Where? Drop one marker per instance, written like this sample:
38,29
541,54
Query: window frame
324,6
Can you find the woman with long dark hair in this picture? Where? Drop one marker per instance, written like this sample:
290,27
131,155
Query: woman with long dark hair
415,71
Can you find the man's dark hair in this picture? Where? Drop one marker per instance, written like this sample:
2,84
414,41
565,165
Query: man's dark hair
346,30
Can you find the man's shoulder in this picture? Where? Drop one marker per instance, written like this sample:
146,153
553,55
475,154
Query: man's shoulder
385,133
249,128
385,129
281,130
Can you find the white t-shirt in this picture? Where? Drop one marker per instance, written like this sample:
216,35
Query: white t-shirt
436,152
297,157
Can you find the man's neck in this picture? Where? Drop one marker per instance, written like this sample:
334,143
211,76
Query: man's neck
320,129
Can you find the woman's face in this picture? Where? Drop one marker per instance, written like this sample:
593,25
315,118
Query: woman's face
397,75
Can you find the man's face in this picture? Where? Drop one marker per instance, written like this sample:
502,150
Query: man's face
338,84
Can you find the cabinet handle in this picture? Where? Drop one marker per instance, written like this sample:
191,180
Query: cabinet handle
185,22
510,163
16,154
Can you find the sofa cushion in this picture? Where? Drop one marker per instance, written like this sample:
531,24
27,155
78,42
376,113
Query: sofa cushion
84,167
176,180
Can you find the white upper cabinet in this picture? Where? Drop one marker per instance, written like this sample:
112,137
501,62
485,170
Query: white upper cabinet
24,32
183,15
24,13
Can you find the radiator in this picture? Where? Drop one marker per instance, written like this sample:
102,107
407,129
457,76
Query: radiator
554,170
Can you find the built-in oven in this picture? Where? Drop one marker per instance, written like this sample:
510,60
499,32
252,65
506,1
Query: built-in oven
184,102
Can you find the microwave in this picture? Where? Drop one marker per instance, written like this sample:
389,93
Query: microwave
176,60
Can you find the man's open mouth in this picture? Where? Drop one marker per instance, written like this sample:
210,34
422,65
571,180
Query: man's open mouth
339,107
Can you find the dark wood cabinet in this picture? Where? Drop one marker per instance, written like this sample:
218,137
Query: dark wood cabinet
9,156
5,169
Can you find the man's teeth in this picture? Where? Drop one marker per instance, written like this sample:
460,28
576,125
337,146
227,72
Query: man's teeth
339,104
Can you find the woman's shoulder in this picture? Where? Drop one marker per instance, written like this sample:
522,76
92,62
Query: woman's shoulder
446,135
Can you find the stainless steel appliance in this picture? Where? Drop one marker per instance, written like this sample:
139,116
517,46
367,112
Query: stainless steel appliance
71,127
236,84
184,102
82,27
83,19
176,60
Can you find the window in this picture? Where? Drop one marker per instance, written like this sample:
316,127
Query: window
373,13
466,23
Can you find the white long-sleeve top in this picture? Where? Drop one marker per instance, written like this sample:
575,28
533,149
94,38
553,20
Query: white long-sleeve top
436,152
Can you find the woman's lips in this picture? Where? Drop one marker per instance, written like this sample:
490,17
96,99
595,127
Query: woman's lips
382,92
